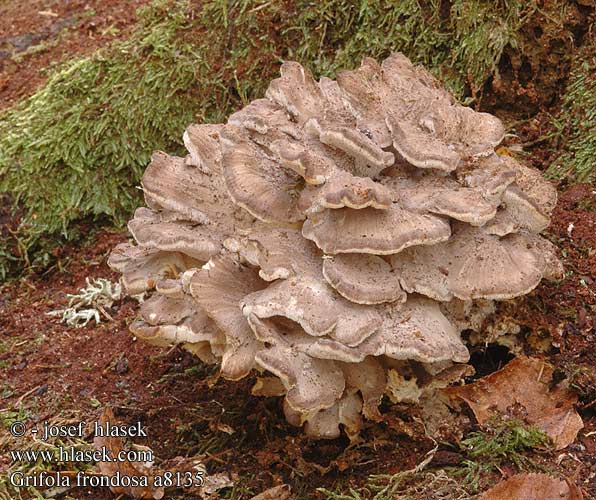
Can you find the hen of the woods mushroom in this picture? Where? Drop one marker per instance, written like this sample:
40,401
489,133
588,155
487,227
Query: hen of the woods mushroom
337,237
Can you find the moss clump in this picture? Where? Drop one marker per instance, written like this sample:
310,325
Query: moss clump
76,149
503,441
484,452
577,121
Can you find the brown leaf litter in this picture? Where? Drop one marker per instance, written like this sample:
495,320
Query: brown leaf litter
525,389
533,487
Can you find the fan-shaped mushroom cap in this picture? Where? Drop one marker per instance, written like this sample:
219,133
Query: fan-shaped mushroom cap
281,253
325,423
535,187
379,232
167,321
462,128
371,157
203,344
311,384
314,305
523,212
311,164
314,161
472,265
342,189
160,309
296,91
367,98
444,196
256,182
491,174
363,279
218,288
142,267
265,118
428,128
165,335
420,148
202,143
503,223
150,230
369,378
169,183
190,195
527,203
553,269
416,330
193,329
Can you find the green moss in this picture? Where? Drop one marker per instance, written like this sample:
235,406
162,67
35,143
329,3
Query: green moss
78,146
502,442
576,136
76,149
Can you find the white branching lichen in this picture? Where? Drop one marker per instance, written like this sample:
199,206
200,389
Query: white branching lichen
90,303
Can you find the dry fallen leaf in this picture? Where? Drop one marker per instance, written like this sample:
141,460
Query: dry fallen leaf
281,492
533,487
214,483
523,389
126,468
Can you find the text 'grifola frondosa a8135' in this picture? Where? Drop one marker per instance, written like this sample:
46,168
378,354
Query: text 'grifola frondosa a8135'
333,233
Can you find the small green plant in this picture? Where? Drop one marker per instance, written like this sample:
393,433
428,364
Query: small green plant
11,415
503,441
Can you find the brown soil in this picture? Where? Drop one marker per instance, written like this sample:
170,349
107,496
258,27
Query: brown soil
36,33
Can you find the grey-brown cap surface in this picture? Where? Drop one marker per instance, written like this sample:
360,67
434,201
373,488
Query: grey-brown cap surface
281,253
363,278
342,189
428,128
218,288
315,306
311,384
142,267
256,182
150,229
379,232
202,143
472,265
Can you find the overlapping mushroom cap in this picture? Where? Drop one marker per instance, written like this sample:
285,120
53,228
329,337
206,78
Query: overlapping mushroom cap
318,235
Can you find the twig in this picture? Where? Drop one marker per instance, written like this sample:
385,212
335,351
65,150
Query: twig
28,393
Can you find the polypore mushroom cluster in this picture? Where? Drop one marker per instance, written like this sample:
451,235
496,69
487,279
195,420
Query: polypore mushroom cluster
333,231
